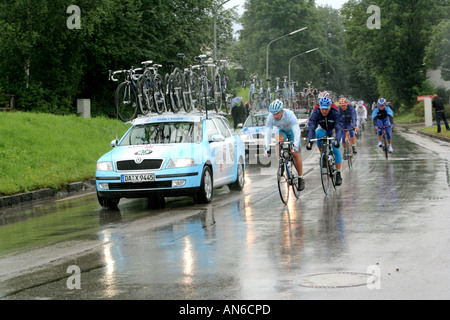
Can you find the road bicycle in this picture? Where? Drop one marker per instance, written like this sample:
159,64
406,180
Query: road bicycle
190,89
268,96
206,89
277,90
152,87
348,151
173,84
222,87
327,164
128,97
252,95
384,140
287,177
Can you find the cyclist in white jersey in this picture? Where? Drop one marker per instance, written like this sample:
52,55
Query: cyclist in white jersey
361,114
289,130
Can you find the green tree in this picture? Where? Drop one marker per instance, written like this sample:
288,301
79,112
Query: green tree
394,53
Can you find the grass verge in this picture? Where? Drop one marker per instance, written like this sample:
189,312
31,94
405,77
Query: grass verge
47,151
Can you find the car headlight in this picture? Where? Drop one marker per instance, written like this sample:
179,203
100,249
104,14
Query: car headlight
104,166
180,163
244,136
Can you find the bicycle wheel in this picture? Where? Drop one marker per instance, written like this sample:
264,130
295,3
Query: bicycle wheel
217,92
158,94
187,98
294,179
385,146
126,100
174,93
349,152
228,103
195,90
145,85
325,173
283,183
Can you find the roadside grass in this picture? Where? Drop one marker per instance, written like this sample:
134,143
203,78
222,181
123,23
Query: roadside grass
47,151
433,130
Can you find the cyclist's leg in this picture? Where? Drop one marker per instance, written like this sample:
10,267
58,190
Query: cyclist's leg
380,131
297,159
320,133
337,161
388,134
352,138
282,137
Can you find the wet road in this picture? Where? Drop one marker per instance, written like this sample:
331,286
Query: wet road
382,235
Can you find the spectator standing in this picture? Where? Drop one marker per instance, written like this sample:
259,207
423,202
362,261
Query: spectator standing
438,105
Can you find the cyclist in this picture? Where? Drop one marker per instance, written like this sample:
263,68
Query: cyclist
383,116
289,130
361,114
322,122
349,118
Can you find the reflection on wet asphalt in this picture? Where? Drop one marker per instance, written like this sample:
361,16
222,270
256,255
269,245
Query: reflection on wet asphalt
390,216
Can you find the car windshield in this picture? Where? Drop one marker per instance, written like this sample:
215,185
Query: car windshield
163,133
301,115
257,120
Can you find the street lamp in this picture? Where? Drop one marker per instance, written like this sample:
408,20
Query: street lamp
267,52
298,56
215,37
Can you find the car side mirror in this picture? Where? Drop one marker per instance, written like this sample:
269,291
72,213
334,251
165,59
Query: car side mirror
114,143
217,138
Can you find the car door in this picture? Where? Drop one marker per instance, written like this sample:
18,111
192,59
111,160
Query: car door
215,152
228,151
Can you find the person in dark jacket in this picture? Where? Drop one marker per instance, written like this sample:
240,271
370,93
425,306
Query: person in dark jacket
323,121
348,115
438,105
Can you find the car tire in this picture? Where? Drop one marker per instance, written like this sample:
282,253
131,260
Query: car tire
238,185
205,194
108,202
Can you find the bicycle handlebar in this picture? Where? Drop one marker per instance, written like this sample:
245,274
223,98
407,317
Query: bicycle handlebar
322,139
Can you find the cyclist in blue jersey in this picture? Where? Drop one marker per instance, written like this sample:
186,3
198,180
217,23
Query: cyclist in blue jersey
289,130
323,121
348,115
383,116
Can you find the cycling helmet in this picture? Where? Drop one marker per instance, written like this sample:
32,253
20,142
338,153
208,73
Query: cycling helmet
325,103
381,102
275,106
343,102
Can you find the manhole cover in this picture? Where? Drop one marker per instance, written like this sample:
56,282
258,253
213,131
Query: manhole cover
337,280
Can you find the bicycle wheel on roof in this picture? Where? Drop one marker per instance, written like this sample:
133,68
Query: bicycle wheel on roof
126,100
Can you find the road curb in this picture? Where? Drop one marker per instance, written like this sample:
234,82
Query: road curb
45,193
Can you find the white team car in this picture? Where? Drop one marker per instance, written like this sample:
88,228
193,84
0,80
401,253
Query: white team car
253,135
171,155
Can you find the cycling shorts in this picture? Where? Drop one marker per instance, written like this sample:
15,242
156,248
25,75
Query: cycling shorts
320,133
288,136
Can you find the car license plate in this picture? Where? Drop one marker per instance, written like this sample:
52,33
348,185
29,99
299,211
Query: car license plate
138,177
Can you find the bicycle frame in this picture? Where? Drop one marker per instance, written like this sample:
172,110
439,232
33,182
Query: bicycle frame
348,153
327,161
285,176
384,140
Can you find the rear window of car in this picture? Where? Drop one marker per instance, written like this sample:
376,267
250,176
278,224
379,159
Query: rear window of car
163,133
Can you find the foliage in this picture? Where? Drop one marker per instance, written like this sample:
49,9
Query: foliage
394,53
48,66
